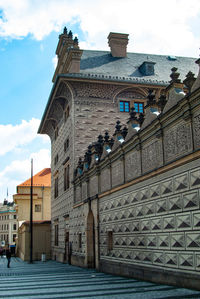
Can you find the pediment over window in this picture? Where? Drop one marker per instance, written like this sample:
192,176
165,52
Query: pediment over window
134,93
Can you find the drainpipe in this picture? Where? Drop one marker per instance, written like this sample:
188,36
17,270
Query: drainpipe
43,202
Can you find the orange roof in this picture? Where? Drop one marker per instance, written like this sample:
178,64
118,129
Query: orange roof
42,178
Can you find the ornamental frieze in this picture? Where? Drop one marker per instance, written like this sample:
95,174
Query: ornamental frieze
94,90
132,94
196,124
177,141
152,156
117,173
105,180
132,165
92,102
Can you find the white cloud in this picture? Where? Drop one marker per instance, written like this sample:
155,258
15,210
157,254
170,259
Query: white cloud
20,170
15,137
18,144
55,61
154,26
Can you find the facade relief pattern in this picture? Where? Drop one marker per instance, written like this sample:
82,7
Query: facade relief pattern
93,185
196,124
132,165
152,155
117,173
95,90
105,179
177,141
155,225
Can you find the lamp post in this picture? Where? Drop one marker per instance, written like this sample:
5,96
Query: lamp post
31,215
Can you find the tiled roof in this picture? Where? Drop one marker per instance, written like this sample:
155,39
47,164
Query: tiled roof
101,65
42,178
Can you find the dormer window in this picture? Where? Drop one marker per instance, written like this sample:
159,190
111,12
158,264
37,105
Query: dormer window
147,68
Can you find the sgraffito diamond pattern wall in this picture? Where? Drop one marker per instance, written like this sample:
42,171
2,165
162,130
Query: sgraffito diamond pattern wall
157,224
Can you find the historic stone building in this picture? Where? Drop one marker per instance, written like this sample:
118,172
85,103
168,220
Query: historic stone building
131,205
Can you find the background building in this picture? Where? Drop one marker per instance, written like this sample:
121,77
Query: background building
8,225
92,90
41,215
41,197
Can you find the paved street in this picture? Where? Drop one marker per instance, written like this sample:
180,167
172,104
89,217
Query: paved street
56,280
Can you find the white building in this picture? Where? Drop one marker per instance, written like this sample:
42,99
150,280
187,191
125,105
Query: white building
8,224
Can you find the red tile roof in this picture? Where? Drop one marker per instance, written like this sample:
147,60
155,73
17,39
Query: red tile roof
42,178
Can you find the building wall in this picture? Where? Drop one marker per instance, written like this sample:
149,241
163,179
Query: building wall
41,196
41,241
90,106
155,227
145,200
8,225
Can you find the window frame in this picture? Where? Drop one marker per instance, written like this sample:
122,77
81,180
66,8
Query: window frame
124,102
66,177
56,230
36,208
56,187
138,110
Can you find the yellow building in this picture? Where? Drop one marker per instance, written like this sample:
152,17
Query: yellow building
41,240
41,197
41,215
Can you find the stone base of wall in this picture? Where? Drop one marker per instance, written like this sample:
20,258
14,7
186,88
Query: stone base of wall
180,279
78,260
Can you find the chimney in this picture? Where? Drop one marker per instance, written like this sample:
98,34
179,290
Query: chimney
118,43
68,53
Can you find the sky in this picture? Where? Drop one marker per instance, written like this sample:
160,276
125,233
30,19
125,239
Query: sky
29,31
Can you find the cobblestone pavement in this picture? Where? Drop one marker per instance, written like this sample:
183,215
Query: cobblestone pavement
56,280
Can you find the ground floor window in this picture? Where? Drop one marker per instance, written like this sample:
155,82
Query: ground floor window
80,241
56,234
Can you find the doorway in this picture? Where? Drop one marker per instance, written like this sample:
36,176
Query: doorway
90,241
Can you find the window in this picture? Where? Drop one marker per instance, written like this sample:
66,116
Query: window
124,106
14,226
37,208
56,160
66,177
110,240
56,234
80,241
66,114
139,107
56,133
14,216
14,237
7,226
66,144
56,187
